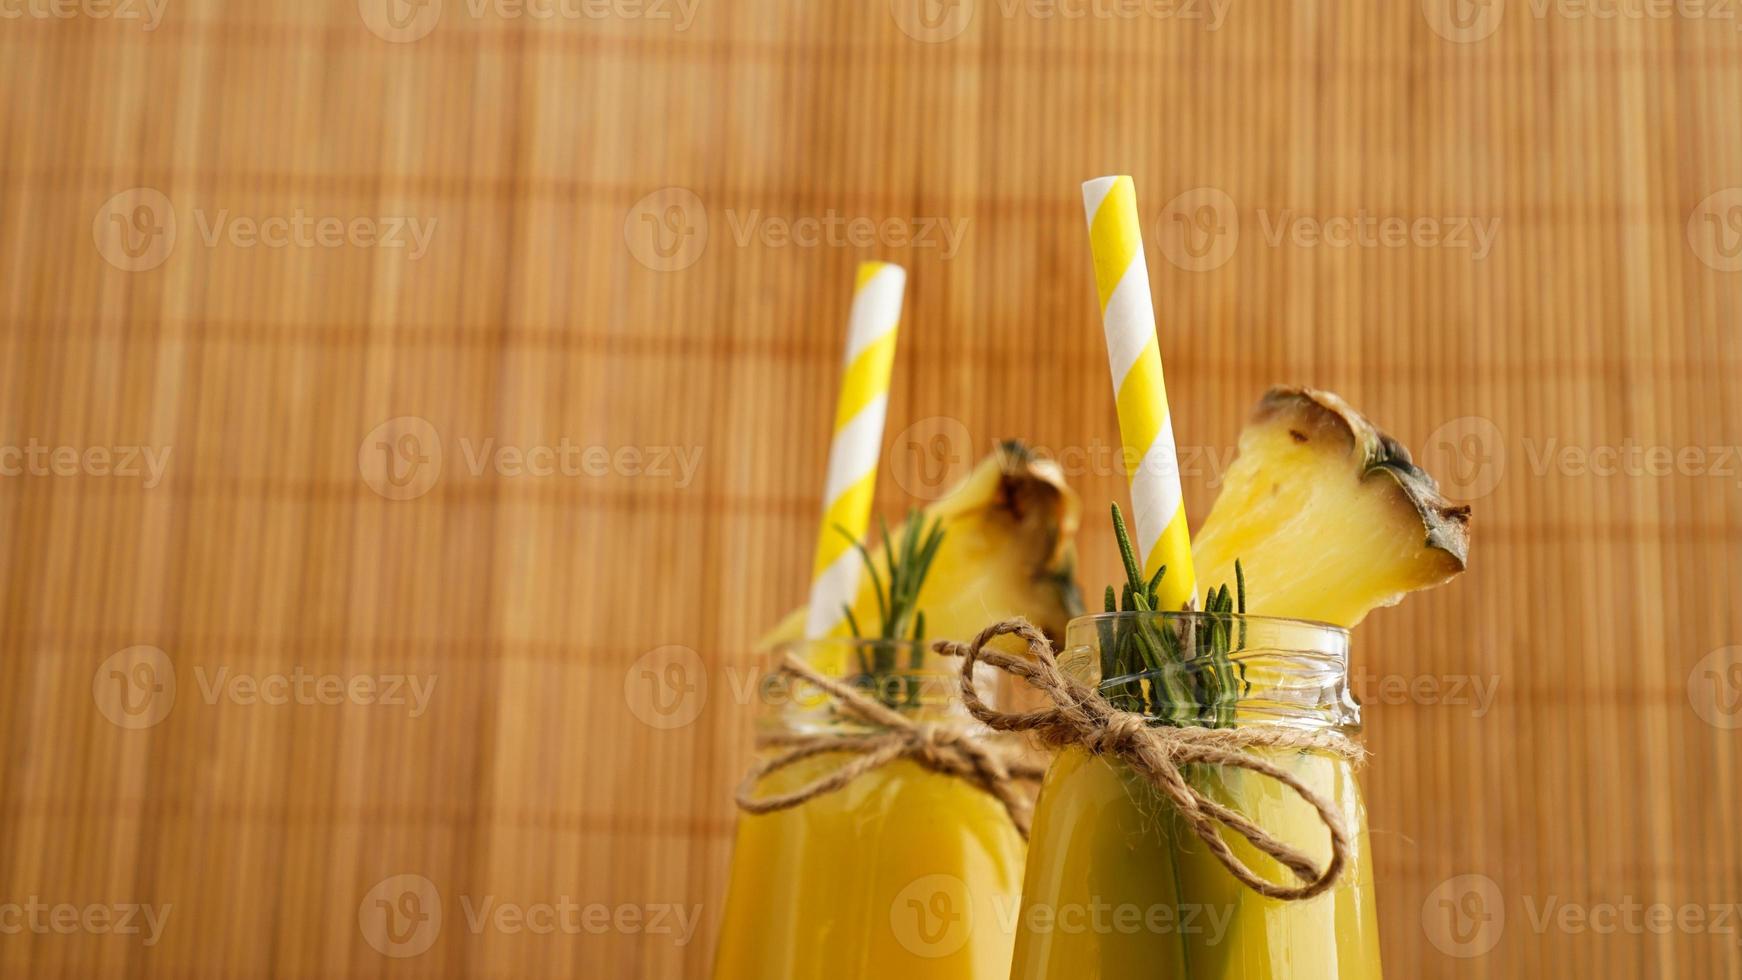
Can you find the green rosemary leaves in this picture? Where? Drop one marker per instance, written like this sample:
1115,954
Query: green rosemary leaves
901,621
1179,670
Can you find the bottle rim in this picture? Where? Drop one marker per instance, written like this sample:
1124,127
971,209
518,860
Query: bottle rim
1290,671
1285,622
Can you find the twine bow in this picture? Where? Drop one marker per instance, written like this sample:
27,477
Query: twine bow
952,750
1081,716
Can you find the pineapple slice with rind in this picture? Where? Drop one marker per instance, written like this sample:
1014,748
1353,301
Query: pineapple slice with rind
1008,550
1329,517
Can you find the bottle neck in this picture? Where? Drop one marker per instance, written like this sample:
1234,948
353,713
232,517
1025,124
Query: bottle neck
1264,671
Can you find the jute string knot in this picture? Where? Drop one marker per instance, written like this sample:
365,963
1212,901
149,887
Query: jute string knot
953,750
1081,716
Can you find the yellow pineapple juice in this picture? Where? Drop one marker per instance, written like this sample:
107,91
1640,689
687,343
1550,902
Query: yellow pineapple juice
903,873
1117,886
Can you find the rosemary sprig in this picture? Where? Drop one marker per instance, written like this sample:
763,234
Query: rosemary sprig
899,617
1191,674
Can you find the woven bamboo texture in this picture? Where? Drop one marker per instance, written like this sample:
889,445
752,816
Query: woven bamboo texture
614,261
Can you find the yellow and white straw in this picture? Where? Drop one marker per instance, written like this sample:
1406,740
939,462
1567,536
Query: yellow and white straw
858,440
1133,354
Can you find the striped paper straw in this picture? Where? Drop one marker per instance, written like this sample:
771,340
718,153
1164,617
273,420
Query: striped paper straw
1145,425
870,357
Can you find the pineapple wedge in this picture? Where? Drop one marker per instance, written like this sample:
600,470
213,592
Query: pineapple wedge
1008,550
1329,516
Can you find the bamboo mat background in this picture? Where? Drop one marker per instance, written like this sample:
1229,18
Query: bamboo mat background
1601,605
